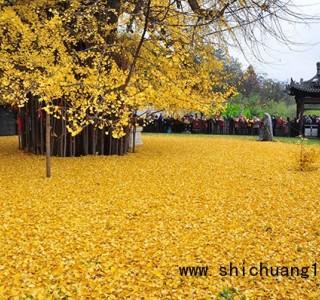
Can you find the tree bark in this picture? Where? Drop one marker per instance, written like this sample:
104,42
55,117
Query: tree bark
48,148
134,129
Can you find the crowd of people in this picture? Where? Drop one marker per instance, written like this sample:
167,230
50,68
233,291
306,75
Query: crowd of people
240,125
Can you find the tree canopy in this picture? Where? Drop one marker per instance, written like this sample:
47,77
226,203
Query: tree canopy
96,62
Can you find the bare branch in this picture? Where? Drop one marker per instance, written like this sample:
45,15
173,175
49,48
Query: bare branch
135,58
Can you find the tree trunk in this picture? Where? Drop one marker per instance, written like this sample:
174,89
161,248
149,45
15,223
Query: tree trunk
102,141
48,148
134,129
41,132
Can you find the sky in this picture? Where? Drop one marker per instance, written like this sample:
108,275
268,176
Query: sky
284,63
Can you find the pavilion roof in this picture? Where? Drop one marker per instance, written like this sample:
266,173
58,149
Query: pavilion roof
308,88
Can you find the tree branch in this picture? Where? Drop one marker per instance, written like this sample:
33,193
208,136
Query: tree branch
208,14
138,47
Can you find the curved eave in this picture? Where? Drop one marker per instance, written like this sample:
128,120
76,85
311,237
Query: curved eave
298,89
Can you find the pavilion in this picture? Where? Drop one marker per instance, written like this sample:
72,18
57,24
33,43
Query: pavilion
307,96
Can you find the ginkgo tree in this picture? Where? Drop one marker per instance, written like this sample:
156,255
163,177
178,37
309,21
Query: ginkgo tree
88,65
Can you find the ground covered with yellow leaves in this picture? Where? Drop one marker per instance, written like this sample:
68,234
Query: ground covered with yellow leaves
120,227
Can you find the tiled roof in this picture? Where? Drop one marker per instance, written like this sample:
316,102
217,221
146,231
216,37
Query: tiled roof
304,88
311,86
